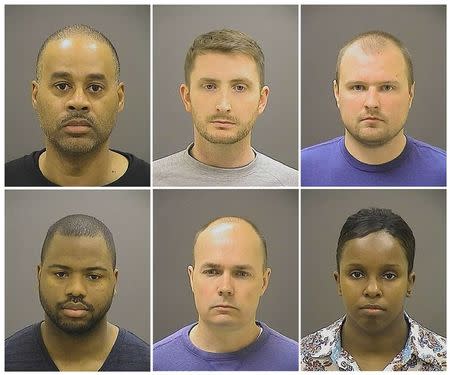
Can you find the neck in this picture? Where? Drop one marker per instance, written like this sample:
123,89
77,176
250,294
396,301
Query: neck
234,155
377,154
223,339
77,348
96,168
386,343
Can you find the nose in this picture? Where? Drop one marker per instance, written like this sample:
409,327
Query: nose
223,104
372,98
78,101
225,286
372,288
76,286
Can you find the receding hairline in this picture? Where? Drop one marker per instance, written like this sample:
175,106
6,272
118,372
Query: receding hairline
78,30
233,219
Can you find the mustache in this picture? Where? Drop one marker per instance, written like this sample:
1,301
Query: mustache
222,117
372,114
76,116
75,300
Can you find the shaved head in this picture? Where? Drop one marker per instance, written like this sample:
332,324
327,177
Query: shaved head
224,226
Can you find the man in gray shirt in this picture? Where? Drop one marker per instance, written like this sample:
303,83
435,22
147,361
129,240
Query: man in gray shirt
225,93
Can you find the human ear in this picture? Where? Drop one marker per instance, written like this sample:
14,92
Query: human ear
34,92
411,281
266,279
121,96
263,97
336,92
186,97
337,278
411,93
190,271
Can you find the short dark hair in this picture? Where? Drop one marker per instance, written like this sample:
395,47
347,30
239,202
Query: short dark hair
234,219
224,41
77,29
370,220
80,225
377,40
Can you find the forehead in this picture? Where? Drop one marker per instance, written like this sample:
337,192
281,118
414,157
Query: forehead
80,251
224,66
77,54
373,250
363,64
229,244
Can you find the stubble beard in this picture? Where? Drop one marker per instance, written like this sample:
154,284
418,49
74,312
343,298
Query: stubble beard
243,129
372,142
71,328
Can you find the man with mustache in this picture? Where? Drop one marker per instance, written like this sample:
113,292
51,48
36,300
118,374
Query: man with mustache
77,279
228,277
374,90
225,93
77,94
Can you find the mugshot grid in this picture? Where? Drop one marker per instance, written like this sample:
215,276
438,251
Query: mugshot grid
211,202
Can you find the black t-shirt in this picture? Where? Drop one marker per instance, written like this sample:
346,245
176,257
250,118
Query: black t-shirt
25,172
26,351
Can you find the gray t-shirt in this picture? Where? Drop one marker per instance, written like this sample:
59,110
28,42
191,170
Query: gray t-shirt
181,169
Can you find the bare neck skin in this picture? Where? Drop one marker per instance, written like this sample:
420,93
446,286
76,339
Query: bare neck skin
223,339
374,352
375,154
79,353
97,168
234,155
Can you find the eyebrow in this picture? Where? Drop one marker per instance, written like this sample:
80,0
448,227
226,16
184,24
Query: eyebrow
354,265
235,80
237,267
61,266
378,83
67,75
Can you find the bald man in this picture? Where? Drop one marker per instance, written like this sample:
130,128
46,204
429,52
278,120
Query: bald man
228,277
77,94
374,90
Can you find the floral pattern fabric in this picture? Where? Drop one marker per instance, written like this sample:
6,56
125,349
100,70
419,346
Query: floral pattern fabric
424,350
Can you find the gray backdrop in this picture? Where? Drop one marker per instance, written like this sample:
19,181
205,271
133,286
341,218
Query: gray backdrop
274,27
26,28
29,214
178,214
324,213
325,29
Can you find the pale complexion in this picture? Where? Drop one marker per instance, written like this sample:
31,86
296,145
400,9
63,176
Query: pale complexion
227,281
77,98
77,272
225,98
373,281
374,98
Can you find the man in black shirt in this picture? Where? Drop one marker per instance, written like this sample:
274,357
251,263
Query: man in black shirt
77,279
77,94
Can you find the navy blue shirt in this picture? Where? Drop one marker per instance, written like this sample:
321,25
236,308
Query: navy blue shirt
330,164
26,351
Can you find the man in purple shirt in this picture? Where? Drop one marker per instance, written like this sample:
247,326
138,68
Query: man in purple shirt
374,90
228,277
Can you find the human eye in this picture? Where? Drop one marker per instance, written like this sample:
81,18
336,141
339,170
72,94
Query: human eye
209,86
240,87
94,277
356,274
62,86
390,276
242,274
357,88
387,87
95,88
211,272
61,274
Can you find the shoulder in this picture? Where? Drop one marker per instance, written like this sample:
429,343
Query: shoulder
129,353
170,341
425,148
283,342
171,353
321,148
321,342
168,161
137,174
24,172
286,175
428,345
23,351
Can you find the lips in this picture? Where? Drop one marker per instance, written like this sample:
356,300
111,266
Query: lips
372,307
75,310
371,118
224,306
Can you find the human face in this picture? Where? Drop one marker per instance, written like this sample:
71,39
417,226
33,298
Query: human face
228,278
224,97
373,281
76,283
373,95
77,97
